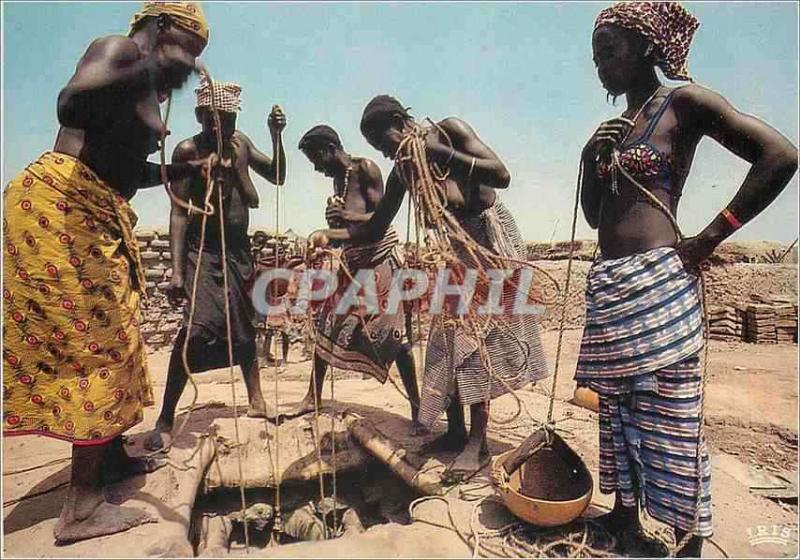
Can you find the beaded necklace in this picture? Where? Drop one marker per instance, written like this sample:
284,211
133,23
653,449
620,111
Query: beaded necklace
345,183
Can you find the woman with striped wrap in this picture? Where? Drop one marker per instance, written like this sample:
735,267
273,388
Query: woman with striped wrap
644,326
462,367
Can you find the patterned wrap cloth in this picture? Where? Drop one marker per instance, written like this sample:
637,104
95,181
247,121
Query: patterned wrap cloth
74,362
186,15
667,25
640,353
358,341
452,358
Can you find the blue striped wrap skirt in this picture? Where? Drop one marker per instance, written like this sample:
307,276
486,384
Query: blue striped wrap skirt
640,352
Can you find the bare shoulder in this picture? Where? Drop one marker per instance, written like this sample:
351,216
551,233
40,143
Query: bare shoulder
694,98
457,127
368,169
185,150
115,50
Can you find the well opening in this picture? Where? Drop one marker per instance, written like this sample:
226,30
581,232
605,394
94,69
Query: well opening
366,496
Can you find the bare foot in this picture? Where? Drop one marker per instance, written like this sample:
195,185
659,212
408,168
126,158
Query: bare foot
159,439
259,409
418,429
303,407
448,443
106,519
119,465
474,457
624,525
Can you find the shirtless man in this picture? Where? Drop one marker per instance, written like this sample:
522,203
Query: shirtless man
208,348
341,340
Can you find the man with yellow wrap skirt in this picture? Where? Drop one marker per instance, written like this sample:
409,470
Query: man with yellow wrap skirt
74,361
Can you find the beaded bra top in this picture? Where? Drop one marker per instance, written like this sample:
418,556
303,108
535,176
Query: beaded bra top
643,161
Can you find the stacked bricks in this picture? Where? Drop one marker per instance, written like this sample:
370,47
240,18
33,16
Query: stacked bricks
760,324
786,322
161,321
771,319
726,322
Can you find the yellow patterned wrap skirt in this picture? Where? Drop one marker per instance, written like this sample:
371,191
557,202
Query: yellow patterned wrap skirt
74,366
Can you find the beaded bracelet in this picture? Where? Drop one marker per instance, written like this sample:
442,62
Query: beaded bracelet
732,220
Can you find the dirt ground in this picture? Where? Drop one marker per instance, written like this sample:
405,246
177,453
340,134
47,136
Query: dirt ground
752,425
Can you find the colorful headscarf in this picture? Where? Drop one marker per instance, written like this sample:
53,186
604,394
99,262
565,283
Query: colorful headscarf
665,24
226,95
187,15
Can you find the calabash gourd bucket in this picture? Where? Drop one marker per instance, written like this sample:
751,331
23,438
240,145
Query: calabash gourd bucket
551,487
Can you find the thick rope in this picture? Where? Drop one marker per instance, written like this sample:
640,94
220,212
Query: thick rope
223,242
429,200
206,212
520,540
184,351
333,454
277,525
208,209
332,374
230,367
565,297
318,440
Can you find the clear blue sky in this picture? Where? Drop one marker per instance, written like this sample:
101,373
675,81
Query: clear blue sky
521,74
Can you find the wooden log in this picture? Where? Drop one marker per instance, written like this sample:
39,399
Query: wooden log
393,456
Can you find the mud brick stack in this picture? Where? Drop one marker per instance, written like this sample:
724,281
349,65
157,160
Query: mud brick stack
726,322
160,322
786,322
760,324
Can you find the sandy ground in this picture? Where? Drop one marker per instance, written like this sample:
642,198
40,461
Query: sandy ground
752,425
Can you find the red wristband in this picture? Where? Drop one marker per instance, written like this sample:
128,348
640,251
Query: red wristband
732,220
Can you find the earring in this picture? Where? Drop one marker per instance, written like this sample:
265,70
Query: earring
649,50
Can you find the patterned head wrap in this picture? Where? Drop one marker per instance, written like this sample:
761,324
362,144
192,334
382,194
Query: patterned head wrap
380,108
667,25
186,15
226,95
321,134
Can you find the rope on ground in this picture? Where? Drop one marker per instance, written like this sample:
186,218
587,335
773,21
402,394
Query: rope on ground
583,539
37,467
35,494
